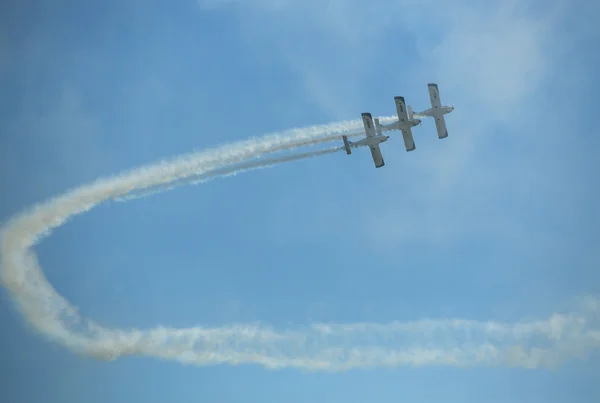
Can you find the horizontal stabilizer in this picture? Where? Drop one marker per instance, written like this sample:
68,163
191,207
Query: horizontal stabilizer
347,145
378,127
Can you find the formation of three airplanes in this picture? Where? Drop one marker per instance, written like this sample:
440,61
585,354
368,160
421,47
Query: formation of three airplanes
406,121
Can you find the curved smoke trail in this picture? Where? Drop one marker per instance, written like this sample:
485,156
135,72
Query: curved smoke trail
315,347
229,171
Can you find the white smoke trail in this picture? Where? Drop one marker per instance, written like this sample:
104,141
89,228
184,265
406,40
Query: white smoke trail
229,171
315,347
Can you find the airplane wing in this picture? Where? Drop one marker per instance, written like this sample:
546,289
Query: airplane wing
434,95
368,123
440,125
377,157
409,142
401,109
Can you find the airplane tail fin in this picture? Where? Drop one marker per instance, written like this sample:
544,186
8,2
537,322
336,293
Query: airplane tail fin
378,127
347,145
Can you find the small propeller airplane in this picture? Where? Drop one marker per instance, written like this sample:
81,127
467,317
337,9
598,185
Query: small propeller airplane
372,140
437,111
405,123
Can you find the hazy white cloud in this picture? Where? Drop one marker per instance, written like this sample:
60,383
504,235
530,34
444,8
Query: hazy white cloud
460,342
328,45
490,61
487,56
493,62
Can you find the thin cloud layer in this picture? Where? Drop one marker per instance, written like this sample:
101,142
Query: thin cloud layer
502,77
489,57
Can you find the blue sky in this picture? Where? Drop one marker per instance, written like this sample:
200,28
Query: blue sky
495,223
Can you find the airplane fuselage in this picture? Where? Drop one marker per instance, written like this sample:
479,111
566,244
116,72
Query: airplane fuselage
436,112
368,141
401,125
409,123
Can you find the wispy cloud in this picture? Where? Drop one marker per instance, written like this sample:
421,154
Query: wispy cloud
501,200
491,60
486,56
329,46
544,342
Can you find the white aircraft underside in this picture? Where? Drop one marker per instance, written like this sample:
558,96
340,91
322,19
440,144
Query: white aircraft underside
437,111
406,121
372,140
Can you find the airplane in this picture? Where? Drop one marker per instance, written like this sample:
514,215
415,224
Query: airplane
372,140
405,123
437,111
